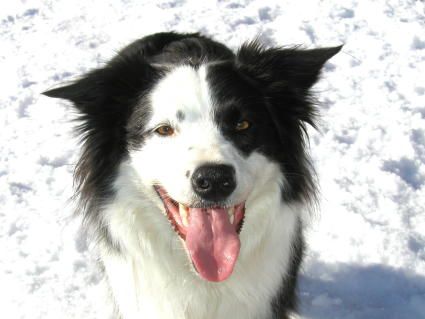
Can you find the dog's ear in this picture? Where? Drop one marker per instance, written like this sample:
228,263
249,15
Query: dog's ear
277,68
84,93
110,88
285,76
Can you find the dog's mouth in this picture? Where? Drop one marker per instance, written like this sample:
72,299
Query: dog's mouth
211,235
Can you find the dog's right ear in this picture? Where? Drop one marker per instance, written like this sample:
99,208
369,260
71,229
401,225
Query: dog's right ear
84,93
73,92
111,88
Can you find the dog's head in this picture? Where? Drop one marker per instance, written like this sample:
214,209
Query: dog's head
203,130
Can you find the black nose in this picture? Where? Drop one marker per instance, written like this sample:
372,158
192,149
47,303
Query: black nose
214,182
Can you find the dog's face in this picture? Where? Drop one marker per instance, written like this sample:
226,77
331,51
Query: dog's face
201,151
194,147
204,138
195,136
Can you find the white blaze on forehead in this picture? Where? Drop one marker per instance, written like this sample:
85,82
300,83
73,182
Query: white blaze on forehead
183,89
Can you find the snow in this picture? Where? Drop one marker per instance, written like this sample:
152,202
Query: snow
366,255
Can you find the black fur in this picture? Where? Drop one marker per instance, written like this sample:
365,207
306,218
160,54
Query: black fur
268,87
286,298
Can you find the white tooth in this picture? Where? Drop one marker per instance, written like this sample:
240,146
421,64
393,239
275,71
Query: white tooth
183,214
231,213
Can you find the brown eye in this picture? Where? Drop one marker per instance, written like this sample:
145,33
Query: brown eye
242,125
165,130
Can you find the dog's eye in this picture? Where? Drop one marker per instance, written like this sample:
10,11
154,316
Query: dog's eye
242,125
165,130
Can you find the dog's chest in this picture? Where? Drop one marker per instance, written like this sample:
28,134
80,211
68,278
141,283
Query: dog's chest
142,291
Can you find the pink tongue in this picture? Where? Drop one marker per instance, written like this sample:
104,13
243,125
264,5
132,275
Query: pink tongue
212,242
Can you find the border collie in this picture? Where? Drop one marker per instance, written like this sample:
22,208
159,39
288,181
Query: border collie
194,174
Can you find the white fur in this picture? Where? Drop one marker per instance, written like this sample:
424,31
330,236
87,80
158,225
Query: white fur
152,277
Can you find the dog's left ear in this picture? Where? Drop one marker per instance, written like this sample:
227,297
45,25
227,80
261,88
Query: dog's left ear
277,68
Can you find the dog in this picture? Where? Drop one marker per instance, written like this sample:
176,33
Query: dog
194,174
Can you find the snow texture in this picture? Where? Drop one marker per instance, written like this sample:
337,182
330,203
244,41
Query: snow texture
366,255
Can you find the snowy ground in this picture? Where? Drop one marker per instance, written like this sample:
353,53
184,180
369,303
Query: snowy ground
367,244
